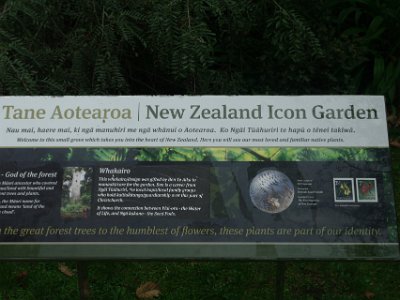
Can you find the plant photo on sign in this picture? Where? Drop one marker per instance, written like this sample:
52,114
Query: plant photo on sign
367,190
343,189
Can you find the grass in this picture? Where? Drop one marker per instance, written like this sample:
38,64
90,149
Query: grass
209,280
205,280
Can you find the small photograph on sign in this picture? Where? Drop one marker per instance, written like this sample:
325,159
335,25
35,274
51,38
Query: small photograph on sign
76,192
271,191
343,189
367,190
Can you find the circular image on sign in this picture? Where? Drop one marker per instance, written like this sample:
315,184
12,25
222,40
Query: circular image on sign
271,191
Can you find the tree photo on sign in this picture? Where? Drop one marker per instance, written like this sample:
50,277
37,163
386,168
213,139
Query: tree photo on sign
76,192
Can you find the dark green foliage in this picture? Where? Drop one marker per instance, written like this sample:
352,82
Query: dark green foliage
373,28
67,47
199,47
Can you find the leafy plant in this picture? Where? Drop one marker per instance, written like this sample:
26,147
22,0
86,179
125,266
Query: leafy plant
66,47
374,26
172,47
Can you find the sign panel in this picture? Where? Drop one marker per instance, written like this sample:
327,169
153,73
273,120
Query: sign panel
195,177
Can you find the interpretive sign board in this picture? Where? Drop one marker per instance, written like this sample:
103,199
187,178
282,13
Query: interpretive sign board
254,177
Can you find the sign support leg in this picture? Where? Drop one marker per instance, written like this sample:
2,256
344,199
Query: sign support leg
83,280
280,280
